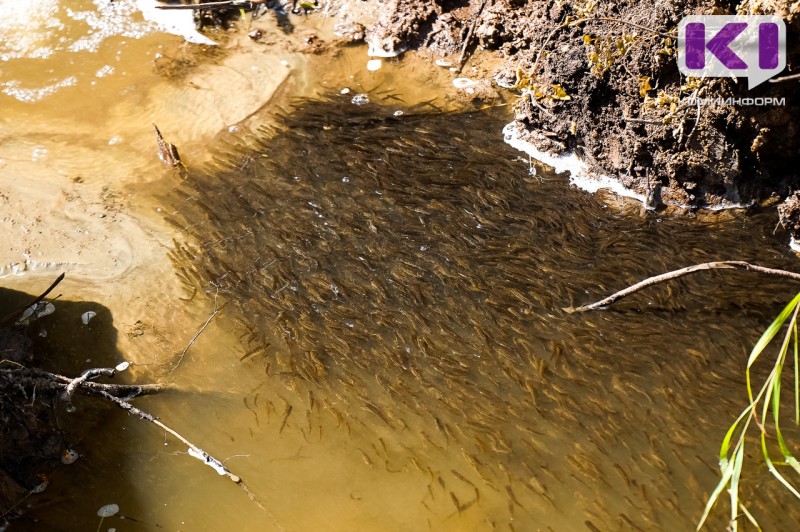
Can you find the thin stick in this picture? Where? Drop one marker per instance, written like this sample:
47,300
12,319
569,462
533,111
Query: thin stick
650,281
629,23
46,380
209,460
196,336
643,121
229,4
35,301
194,450
462,56
107,391
86,375
785,78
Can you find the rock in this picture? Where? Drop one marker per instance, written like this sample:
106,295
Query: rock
789,214
349,31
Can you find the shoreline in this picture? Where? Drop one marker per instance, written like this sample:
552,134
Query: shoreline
581,176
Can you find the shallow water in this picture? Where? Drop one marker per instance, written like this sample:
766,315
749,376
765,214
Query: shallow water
399,282
391,353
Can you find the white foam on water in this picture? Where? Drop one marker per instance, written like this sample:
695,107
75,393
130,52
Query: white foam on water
28,28
178,22
580,175
583,178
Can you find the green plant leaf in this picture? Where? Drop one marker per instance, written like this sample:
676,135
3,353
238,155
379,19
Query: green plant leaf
772,330
731,462
773,469
727,473
734,489
796,379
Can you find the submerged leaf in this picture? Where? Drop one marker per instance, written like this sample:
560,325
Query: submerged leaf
108,510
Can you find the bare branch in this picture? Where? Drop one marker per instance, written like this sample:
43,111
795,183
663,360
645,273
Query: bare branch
196,336
194,450
785,78
46,380
86,375
650,281
49,381
462,57
34,302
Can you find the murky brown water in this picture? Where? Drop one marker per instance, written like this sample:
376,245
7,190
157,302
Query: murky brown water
392,354
399,282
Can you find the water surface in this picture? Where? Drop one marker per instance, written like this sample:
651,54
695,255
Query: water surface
399,281
391,353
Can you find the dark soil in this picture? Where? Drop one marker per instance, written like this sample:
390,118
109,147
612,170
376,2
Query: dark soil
30,444
35,428
623,107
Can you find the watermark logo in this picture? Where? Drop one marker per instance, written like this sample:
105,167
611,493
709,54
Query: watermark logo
751,46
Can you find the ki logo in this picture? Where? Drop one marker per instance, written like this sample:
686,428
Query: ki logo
751,46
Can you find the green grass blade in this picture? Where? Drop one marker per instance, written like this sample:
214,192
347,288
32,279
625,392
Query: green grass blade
727,472
772,330
796,378
787,454
773,469
776,407
731,460
734,489
750,517
726,441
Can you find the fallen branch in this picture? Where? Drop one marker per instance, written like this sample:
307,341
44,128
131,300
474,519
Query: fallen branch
650,281
194,450
45,380
86,375
112,392
462,57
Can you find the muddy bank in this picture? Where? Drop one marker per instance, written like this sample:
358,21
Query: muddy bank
601,81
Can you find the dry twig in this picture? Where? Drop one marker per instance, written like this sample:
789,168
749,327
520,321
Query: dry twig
781,79
111,392
86,375
44,380
36,301
462,57
196,336
194,450
650,281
